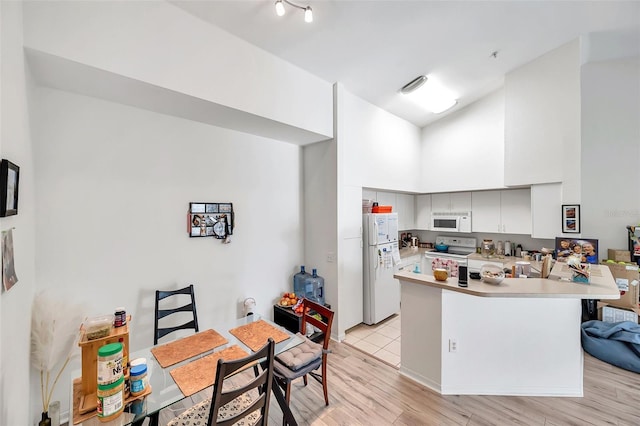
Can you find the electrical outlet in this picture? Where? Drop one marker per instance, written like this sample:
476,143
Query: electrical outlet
331,257
453,345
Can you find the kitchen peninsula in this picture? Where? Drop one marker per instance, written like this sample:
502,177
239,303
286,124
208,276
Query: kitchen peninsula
521,337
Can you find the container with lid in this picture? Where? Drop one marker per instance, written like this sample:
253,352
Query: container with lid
110,400
98,327
110,368
120,317
487,249
138,379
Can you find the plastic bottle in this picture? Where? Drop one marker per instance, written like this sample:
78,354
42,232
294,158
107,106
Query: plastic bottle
299,282
314,287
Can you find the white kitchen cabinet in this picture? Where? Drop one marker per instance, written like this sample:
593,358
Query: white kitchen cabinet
515,211
506,211
546,202
423,212
387,199
369,194
485,208
406,211
451,202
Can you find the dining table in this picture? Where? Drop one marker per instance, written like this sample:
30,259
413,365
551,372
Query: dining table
164,389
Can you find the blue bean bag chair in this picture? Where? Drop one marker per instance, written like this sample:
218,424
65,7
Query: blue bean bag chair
617,343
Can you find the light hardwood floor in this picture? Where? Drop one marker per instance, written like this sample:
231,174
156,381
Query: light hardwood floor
366,391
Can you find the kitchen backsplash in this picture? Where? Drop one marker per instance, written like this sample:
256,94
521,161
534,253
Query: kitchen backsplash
525,241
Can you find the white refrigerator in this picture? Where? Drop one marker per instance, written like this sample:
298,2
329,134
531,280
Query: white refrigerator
381,290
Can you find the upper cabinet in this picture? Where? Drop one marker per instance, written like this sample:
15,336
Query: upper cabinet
423,212
451,202
506,211
387,199
546,203
403,204
406,211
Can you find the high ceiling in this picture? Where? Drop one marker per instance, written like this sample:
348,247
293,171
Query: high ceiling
375,47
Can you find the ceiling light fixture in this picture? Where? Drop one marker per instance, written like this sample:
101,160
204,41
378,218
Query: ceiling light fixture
429,94
280,10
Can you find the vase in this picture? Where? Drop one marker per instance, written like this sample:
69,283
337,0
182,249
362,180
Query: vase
46,421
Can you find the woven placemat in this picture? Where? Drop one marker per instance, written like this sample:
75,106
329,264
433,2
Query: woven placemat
256,334
201,373
187,347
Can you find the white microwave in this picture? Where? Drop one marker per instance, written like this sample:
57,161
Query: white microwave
451,221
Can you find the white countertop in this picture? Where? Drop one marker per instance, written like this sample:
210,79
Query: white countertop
602,285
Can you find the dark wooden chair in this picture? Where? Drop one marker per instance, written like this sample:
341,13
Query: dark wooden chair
285,374
230,404
160,332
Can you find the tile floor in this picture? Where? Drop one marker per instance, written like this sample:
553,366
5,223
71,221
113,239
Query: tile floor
381,340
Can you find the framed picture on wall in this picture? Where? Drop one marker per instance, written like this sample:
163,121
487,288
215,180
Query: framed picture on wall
571,218
9,179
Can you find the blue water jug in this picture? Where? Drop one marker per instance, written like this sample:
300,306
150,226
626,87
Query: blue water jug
314,288
299,282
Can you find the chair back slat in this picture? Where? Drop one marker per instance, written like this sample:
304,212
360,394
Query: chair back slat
323,325
261,383
159,331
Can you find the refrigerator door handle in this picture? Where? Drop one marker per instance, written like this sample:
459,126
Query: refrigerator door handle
375,231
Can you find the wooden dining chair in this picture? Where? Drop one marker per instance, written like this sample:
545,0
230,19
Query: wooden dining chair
159,332
231,404
309,356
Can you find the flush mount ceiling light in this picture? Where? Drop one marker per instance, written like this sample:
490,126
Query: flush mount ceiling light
429,94
280,10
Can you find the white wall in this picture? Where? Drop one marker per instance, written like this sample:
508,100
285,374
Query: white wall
321,217
388,147
159,44
114,185
542,121
15,305
610,151
465,150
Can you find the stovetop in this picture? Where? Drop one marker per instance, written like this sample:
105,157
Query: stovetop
458,246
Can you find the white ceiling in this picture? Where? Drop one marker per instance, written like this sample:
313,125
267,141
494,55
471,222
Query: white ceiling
375,47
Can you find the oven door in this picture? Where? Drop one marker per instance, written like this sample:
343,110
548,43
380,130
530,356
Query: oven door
440,222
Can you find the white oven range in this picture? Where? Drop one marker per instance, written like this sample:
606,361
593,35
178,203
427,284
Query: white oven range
455,256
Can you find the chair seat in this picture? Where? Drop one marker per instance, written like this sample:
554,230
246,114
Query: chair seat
301,355
199,413
282,371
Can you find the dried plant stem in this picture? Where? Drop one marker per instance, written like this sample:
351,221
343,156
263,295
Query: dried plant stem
42,392
50,394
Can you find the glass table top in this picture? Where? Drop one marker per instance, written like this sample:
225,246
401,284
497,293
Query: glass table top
164,390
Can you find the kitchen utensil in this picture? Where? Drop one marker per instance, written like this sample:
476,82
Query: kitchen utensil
414,241
442,247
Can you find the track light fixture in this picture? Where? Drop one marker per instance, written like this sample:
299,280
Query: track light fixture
280,10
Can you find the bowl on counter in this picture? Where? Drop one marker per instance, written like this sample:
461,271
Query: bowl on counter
441,247
491,274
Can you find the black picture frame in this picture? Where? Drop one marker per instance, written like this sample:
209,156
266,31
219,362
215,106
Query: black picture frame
571,218
9,184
